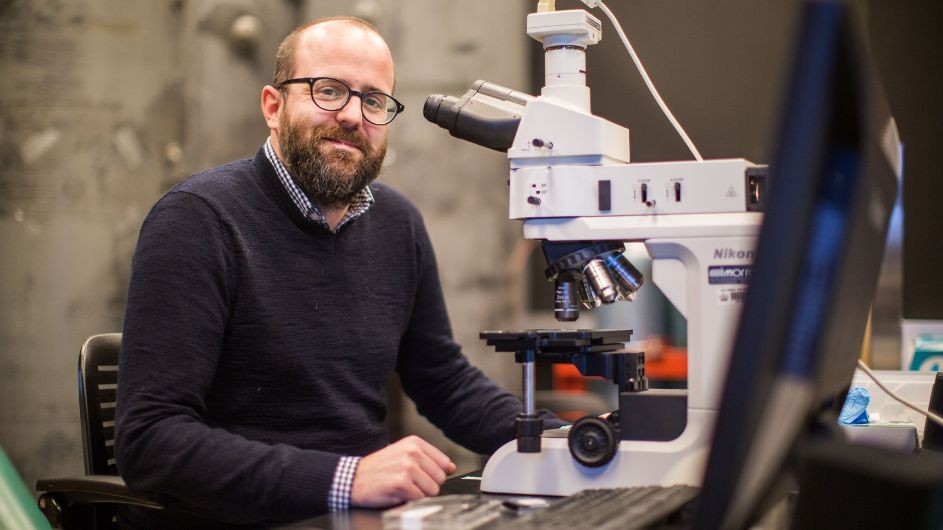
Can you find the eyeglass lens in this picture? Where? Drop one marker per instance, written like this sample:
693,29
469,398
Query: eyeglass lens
332,94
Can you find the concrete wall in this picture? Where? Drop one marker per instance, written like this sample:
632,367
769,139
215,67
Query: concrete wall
104,104
90,100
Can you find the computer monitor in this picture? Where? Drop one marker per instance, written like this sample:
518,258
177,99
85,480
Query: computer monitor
833,184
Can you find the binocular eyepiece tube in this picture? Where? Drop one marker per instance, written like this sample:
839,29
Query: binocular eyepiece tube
487,114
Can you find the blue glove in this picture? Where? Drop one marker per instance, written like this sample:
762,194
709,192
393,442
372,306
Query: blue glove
855,410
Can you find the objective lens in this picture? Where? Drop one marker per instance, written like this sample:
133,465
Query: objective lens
627,277
566,307
600,281
588,295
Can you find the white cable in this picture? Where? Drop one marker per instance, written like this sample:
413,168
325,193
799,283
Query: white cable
648,81
933,417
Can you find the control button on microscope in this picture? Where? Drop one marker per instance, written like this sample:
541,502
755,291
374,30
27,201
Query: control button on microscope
533,200
605,195
677,192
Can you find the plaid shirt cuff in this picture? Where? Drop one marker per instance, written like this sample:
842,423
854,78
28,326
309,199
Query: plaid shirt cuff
338,497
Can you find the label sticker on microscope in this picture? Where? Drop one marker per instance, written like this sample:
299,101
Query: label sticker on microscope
731,295
727,274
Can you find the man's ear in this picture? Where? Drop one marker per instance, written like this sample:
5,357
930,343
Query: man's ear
271,105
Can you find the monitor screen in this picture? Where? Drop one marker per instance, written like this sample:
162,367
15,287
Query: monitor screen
833,184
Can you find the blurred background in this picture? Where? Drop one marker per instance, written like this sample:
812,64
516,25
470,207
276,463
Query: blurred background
106,104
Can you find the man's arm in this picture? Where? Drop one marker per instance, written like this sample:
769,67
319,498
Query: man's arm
456,396
177,313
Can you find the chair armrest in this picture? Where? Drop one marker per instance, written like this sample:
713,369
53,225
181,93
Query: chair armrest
60,495
98,488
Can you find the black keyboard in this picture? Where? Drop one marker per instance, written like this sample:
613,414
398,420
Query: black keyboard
615,508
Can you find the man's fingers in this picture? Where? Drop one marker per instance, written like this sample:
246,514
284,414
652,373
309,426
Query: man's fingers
406,470
410,490
441,459
430,467
428,484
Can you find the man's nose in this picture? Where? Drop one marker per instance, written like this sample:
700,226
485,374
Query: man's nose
350,115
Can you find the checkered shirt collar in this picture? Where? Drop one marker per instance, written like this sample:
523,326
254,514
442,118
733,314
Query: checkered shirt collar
358,206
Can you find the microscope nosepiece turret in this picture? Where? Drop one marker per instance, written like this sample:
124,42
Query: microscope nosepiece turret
589,274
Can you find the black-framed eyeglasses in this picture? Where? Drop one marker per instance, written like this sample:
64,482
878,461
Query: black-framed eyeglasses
332,94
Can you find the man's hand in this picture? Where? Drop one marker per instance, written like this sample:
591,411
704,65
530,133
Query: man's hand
406,470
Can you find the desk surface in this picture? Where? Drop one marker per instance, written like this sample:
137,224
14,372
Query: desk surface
372,519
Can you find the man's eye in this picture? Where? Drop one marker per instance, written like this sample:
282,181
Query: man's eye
375,102
328,92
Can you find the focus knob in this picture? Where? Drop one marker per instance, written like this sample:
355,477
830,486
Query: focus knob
592,441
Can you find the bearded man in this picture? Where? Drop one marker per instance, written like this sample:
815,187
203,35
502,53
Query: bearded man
270,300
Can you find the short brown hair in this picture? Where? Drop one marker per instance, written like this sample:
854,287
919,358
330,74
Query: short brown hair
285,56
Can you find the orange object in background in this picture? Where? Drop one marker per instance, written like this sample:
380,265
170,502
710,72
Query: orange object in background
573,397
568,379
669,364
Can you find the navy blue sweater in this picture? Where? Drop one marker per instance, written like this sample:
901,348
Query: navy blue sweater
257,347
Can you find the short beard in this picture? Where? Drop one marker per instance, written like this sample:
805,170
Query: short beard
330,177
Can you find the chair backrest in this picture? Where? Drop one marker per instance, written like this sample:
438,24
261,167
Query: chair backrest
98,388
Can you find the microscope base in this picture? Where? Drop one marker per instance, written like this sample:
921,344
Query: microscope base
553,471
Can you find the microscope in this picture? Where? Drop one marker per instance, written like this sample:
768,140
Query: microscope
573,186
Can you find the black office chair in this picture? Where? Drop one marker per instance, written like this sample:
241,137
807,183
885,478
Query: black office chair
91,501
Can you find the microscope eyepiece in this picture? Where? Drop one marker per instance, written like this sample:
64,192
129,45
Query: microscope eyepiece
432,109
487,114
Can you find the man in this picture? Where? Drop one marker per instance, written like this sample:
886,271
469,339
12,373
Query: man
270,299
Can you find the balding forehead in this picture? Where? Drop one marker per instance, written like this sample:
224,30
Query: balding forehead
346,42
346,29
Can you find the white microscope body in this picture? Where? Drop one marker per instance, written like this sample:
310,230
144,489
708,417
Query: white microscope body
571,180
